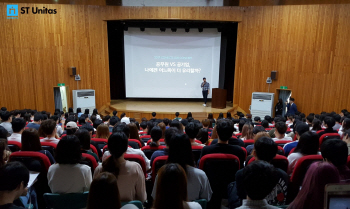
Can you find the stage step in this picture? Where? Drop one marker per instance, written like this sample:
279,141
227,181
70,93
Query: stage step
199,115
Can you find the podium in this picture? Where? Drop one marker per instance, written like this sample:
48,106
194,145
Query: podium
219,98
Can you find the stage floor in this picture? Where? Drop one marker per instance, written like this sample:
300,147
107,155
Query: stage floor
131,105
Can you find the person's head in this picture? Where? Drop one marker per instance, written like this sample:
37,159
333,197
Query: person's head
117,145
280,100
192,130
316,178
143,125
78,110
301,128
280,128
3,109
6,116
224,129
96,123
113,120
329,122
102,131
202,135
154,114
316,124
48,127
210,116
30,140
184,122
3,133
337,118
261,134
189,115
259,179
14,178
87,112
122,127
206,123
162,126
258,129
81,120
150,125
291,100
134,132
104,188
309,119
84,138
346,124
268,118
176,124
247,131
18,125
68,150
95,112
177,114
308,144
171,187
335,151
265,124
221,116
265,149
257,119
181,151
156,134
71,128
115,113
169,133
228,115
241,124
27,117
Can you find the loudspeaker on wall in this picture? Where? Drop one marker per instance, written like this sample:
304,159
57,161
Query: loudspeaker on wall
274,75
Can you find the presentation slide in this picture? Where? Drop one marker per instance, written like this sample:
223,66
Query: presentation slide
170,64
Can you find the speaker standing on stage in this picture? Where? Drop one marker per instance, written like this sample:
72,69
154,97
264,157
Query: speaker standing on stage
205,90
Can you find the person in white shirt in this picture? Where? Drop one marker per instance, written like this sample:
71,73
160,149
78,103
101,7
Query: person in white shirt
18,126
67,175
6,118
280,130
59,128
171,189
308,145
345,126
48,127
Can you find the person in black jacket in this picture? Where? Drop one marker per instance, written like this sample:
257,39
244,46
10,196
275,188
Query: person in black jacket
279,107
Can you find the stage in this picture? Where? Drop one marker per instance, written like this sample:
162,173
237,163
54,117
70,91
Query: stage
136,108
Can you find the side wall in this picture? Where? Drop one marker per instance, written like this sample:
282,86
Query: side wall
308,45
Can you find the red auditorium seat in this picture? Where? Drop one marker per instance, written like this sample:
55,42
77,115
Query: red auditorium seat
348,163
317,132
295,137
196,150
145,138
220,170
139,159
158,162
148,150
49,146
291,151
142,133
136,141
248,142
14,146
94,150
28,158
279,161
328,136
281,143
244,149
280,150
90,161
239,134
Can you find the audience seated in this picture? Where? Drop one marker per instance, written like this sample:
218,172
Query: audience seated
259,179
247,131
48,128
337,119
134,133
85,139
71,128
38,118
192,130
203,136
299,130
6,118
224,130
335,151
102,131
280,131
177,116
346,138
18,126
104,193
31,142
172,189
345,127
265,149
4,151
156,134
162,126
198,186
328,122
14,178
130,177
169,133
311,194
257,136
265,124
308,145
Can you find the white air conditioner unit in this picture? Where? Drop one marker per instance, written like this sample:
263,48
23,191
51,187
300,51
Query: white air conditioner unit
262,104
85,99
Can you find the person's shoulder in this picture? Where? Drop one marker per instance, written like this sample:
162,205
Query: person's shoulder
281,172
193,205
196,171
129,206
82,167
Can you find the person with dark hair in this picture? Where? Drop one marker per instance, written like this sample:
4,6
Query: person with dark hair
308,145
177,116
280,130
343,112
79,113
153,119
257,120
265,149
169,133
192,130
346,138
143,125
104,193
130,177
59,129
6,119
198,186
316,125
309,120
345,127
265,124
3,133
96,123
18,126
337,125
38,118
95,113
279,107
156,135
89,128
224,130
299,130
166,121
67,175
203,136
177,124
71,128
269,119
335,151
259,180
31,142
14,178
328,122
311,194
291,107
48,128
115,114
112,121
221,116
229,116
212,120
85,140
172,189
87,112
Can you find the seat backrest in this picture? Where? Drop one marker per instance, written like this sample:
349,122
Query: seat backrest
279,161
94,150
67,201
245,151
220,170
14,146
49,146
328,136
136,141
317,132
148,150
196,151
199,142
139,159
34,161
281,143
202,202
100,140
158,162
291,151
348,162
302,166
105,148
280,150
89,160
145,138
248,142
